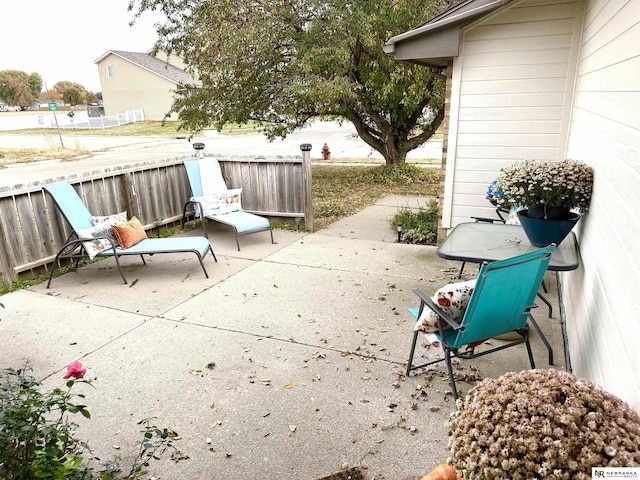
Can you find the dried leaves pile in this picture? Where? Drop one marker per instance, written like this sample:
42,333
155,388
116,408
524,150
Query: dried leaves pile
541,424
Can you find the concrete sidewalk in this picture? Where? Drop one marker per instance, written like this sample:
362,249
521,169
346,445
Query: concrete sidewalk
287,363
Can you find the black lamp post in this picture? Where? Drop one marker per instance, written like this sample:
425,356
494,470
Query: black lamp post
198,147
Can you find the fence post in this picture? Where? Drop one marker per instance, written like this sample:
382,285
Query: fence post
129,186
306,185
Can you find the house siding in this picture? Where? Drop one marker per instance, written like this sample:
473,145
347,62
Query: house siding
603,305
133,87
512,77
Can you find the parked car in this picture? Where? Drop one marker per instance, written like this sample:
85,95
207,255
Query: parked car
9,108
4,108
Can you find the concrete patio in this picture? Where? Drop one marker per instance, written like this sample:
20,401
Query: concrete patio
287,363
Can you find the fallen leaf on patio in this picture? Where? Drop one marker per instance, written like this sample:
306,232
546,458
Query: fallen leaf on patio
208,440
195,371
292,428
413,430
288,385
117,447
266,381
211,365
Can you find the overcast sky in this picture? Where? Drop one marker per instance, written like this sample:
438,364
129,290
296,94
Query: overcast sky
61,39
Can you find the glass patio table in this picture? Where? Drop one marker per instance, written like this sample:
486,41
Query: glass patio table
478,242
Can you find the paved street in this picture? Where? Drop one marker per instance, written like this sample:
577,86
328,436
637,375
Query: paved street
115,151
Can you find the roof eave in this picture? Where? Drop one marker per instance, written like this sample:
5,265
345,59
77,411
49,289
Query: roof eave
443,32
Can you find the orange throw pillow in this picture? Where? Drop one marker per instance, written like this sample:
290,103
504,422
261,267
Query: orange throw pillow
130,233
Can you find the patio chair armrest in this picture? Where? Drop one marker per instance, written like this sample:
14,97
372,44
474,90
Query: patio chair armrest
426,301
196,206
79,240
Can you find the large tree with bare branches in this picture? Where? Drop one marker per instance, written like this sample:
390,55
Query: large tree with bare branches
281,63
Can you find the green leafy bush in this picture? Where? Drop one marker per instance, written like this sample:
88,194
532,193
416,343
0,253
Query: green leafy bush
38,439
403,173
418,226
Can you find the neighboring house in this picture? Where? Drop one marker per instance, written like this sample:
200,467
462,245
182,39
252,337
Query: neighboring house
132,80
545,79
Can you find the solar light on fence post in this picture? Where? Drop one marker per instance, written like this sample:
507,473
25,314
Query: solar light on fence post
399,232
199,147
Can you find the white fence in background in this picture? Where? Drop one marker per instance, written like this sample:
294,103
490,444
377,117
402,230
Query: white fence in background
80,120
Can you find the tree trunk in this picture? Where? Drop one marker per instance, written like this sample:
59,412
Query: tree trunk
392,155
385,142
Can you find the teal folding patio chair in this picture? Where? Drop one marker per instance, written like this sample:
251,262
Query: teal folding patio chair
78,217
501,302
242,222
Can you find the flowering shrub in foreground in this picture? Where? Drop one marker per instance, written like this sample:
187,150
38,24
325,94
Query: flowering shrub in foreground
38,438
541,424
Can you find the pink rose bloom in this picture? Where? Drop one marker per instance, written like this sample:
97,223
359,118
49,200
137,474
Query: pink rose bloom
75,370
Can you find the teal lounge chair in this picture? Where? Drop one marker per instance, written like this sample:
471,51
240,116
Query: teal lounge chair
76,214
501,302
242,222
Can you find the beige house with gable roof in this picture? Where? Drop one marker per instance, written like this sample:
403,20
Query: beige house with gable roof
551,79
132,80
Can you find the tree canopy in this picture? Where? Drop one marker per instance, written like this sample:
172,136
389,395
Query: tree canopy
19,88
73,93
283,63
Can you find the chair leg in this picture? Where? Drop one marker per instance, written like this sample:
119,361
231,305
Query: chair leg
447,357
461,269
544,339
271,232
212,253
53,269
413,349
546,302
533,364
202,265
120,269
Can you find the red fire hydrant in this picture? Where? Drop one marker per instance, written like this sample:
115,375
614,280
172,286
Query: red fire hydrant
325,152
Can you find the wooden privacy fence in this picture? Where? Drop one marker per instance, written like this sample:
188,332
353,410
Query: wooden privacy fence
32,230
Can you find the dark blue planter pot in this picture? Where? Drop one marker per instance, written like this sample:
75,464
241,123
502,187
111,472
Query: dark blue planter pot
543,232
